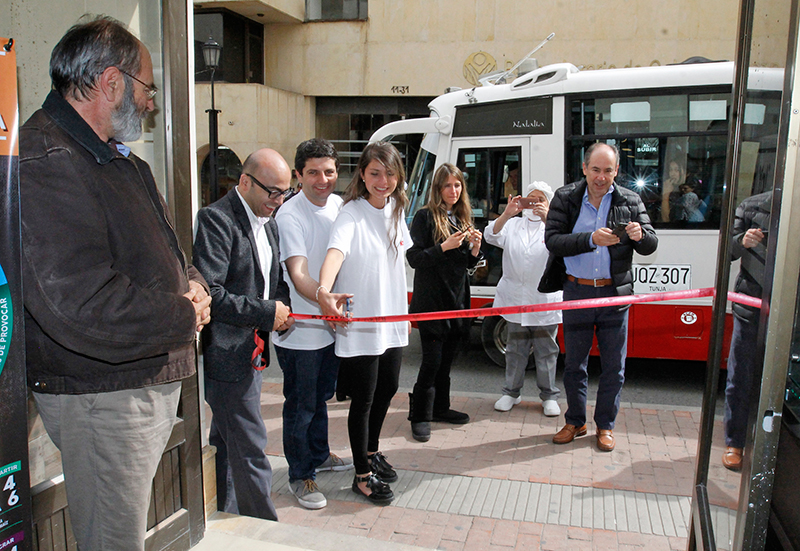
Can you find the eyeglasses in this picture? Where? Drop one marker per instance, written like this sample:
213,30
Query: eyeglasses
149,91
273,193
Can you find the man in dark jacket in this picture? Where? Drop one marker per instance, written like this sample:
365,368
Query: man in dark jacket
111,306
748,243
236,249
596,226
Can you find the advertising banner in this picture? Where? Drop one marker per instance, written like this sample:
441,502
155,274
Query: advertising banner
15,508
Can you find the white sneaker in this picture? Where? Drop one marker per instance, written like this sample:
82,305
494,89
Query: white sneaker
308,494
506,402
551,408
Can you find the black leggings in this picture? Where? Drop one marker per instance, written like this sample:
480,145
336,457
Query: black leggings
437,357
371,382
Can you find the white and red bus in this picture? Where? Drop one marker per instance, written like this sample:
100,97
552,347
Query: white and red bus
671,126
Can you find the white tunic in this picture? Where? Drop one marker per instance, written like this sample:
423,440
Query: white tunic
374,272
524,260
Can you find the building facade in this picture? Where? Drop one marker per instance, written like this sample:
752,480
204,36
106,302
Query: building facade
340,69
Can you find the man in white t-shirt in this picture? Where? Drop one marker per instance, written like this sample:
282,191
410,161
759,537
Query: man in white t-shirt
306,351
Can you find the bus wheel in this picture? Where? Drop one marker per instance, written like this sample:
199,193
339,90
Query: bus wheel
494,336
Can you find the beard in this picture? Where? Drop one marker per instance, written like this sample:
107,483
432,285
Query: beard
127,118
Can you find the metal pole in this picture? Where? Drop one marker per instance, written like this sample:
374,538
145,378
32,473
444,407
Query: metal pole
213,159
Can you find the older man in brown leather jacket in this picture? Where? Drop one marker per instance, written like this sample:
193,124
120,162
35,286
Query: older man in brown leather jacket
111,305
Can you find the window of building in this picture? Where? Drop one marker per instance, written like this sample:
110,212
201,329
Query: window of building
242,41
336,10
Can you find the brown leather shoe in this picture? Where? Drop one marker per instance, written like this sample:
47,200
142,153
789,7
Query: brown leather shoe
568,434
732,458
605,440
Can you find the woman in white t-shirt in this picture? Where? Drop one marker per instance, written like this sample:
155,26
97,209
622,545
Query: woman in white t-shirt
524,260
365,261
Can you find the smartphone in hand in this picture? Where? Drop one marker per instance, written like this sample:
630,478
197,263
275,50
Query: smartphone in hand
619,230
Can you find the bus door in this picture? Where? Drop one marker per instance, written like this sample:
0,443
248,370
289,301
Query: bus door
493,169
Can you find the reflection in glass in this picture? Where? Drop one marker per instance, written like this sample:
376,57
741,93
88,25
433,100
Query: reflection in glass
229,168
144,20
753,194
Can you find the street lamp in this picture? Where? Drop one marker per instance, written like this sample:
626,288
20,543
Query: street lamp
211,53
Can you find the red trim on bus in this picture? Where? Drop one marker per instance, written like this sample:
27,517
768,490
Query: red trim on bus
659,331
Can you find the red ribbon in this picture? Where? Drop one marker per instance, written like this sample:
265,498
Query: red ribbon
258,361
564,305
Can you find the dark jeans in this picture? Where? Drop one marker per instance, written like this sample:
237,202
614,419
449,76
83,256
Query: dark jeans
437,358
610,324
309,381
244,475
741,365
371,383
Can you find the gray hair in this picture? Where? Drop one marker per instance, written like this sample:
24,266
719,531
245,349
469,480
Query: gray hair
88,49
591,149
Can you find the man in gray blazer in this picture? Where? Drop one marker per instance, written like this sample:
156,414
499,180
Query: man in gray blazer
236,250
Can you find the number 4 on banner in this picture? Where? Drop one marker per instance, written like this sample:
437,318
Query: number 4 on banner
13,499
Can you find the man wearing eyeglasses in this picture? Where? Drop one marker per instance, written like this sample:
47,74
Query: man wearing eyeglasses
111,305
236,249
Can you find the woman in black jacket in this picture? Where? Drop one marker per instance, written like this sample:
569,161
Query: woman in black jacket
445,246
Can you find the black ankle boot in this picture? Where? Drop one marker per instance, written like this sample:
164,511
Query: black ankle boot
421,412
451,416
421,430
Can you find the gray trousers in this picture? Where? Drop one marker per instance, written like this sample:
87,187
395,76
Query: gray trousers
244,475
542,340
111,444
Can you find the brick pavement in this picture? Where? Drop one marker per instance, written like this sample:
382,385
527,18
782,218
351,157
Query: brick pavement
652,466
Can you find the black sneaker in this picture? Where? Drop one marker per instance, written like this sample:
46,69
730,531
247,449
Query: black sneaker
451,416
382,469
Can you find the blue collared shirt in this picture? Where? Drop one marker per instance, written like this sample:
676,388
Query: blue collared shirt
597,263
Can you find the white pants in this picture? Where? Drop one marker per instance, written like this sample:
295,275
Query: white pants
541,339
111,444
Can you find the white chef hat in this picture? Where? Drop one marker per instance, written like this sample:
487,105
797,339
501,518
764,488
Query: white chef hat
540,186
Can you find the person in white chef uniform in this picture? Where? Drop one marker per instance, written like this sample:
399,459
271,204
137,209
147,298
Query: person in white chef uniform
524,261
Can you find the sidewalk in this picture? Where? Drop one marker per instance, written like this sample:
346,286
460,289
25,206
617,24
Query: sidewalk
499,483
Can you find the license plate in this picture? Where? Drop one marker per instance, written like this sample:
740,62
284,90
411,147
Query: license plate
661,278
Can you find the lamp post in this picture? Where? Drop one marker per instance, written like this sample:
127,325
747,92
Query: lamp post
211,53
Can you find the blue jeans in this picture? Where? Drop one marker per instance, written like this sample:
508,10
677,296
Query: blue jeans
742,363
309,381
611,326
